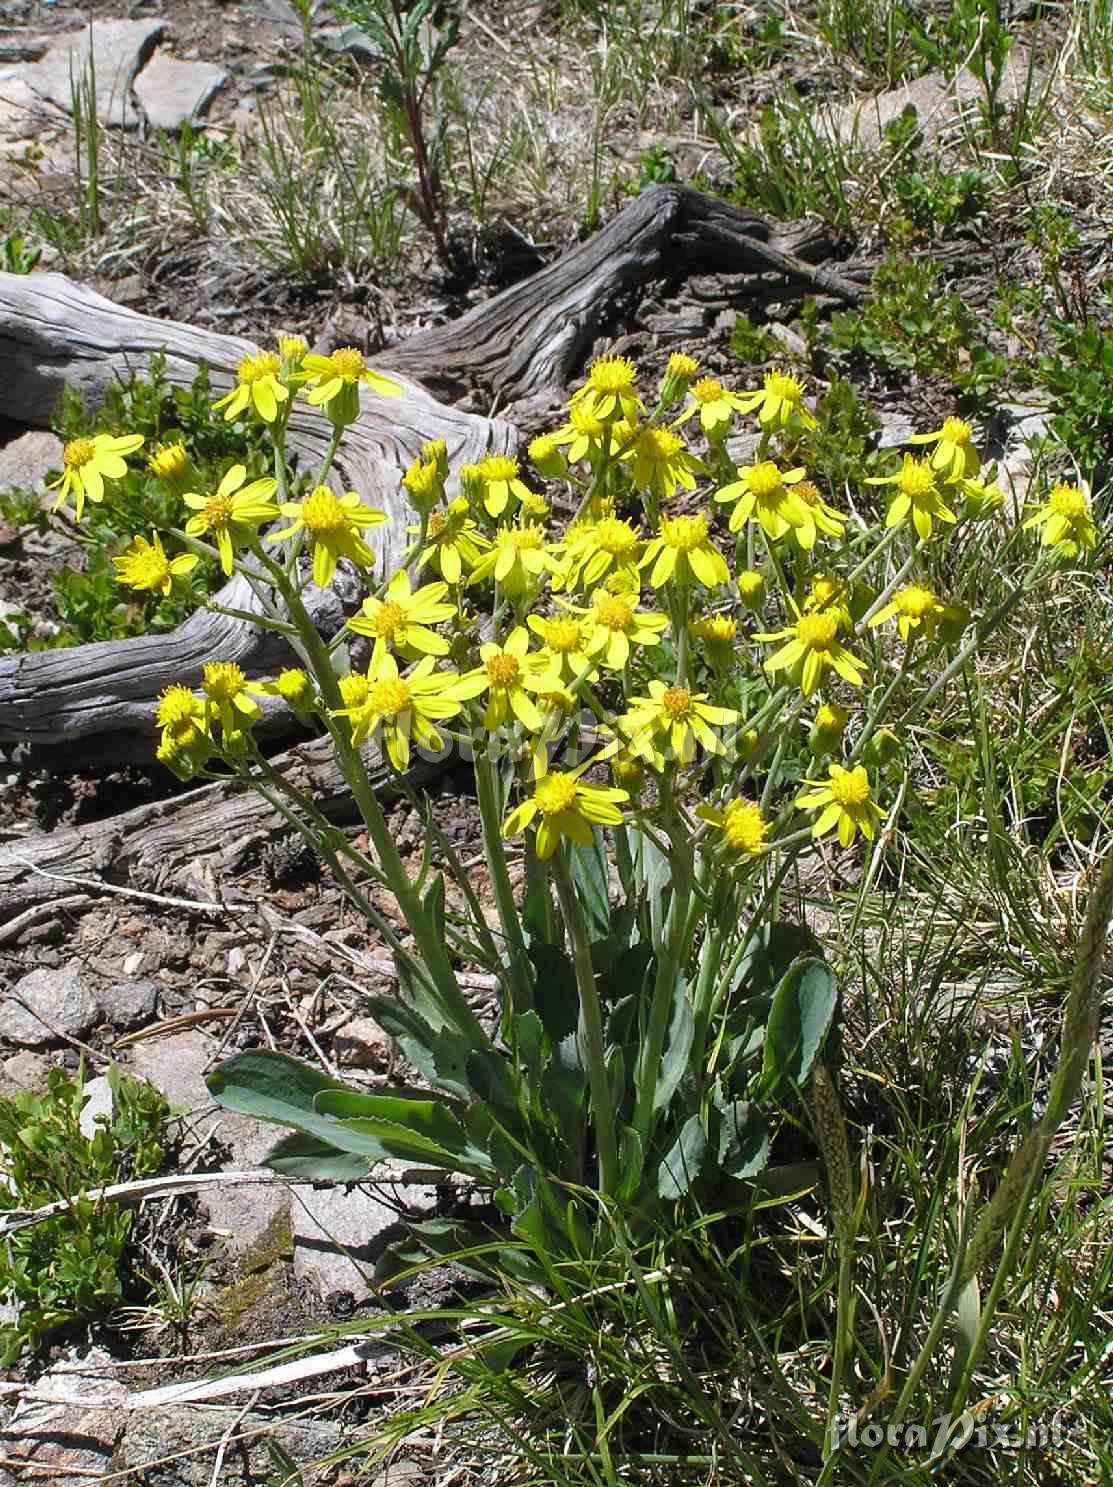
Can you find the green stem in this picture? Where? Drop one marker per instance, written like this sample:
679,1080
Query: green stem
590,1029
490,813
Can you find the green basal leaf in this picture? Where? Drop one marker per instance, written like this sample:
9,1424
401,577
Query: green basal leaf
440,1056
799,1020
554,991
306,1159
682,1030
590,876
743,1140
683,1163
278,1089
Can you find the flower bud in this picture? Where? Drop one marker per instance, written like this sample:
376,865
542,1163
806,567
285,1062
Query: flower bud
680,371
547,457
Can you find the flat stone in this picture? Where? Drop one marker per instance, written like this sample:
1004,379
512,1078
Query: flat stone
175,1446
334,1237
171,93
129,1004
362,1044
22,110
24,461
66,1004
176,1066
71,1436
118,50
25,1071
938,100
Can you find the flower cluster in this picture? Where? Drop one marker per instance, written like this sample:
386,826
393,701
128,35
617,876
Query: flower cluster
692,615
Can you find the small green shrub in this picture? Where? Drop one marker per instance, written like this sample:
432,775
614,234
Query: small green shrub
70,1268
89,602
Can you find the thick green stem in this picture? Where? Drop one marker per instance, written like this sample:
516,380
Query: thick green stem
590,1029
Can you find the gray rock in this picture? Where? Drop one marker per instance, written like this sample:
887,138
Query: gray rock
175,1446
171,93
25,461
24,1071
118,50
74,1435
362,1044
334,1237
939,101
176,1066
129,1004
67,1005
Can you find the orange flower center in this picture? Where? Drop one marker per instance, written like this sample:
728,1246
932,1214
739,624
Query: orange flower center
78,452
503,670
678,704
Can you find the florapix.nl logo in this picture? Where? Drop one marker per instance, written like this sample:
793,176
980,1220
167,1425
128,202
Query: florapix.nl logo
947,1433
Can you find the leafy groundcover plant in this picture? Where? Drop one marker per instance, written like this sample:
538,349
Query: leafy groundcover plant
671,698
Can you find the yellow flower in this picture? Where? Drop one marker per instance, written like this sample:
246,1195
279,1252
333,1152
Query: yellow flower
915,607
568,808
584,434
333,524
954,454
291,349
88,463
744,829
828,728
615,624
293,687
674,718
498,475
1065,520
818,516
233,513
814,646
843,800
683,549
917,494
781,400
662,463
181,717
546,457
400,621
516,559
169,462
403,707
424,484
610,391
751,588
335,380
564,642
453,543
679,372
719,634
257,386
226,696
981,498
506,674
828,595
595,549
762,493
145,566
715,406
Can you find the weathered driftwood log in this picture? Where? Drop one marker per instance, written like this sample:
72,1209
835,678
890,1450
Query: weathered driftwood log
529,337
54,332
159,846
534,335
